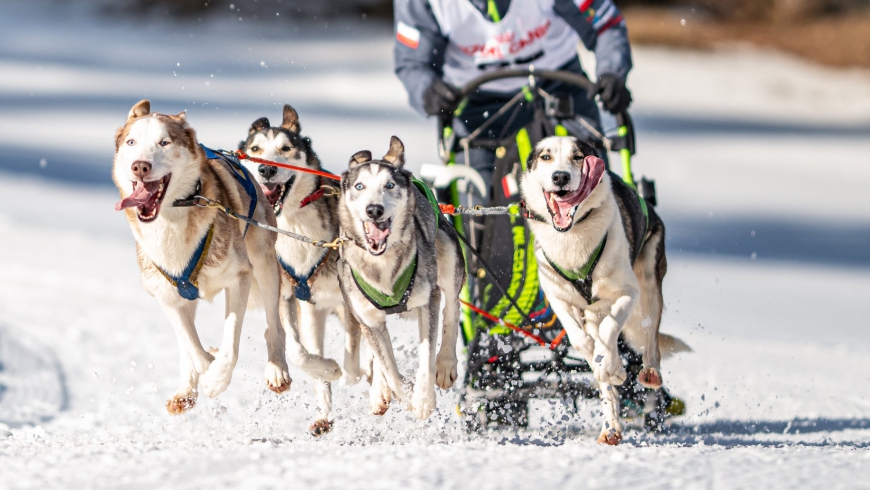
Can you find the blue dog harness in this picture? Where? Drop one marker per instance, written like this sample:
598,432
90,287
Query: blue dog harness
186,283
241,174
302,283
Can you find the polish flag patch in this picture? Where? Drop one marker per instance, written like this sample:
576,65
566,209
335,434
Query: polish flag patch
408,35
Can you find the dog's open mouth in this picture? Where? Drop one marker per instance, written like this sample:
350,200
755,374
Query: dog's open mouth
146,197
563,204
376,235
275,194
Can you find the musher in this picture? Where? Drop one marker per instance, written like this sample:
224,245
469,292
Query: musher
443,44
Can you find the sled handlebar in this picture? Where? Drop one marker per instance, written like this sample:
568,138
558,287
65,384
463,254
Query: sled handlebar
571,78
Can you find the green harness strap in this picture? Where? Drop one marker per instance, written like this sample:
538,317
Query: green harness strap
581,279
394,303
430,196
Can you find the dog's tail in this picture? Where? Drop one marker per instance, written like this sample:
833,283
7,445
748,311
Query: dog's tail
670,345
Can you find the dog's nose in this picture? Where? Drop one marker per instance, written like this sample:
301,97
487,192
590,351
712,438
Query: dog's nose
141,169
561,178
375,211
267,171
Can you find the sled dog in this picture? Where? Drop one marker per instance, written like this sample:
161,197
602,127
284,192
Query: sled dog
304,204
186,252
405,251
601,261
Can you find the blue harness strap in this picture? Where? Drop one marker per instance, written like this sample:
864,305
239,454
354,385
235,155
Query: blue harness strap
302,283
241,174
186,283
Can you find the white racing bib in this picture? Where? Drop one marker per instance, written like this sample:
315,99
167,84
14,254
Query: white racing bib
529,34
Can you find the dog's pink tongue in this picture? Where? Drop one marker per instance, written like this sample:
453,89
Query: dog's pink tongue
375,233
140,196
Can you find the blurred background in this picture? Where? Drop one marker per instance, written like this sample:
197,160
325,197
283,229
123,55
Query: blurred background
753,117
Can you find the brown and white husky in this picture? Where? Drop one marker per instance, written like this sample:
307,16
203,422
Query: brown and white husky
187,253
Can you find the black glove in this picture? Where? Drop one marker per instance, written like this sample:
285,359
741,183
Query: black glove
440,98
612,92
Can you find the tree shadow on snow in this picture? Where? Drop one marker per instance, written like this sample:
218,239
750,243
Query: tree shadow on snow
725,433
736,433
33,385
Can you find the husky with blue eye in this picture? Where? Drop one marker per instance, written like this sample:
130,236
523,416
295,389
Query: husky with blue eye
304,204
405,254
189,252
601,262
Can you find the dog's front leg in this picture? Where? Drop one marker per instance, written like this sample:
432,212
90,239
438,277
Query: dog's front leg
378,338
316,366
352,370
193,359
216,379
312,327
611,432
604,321
446,362
423,400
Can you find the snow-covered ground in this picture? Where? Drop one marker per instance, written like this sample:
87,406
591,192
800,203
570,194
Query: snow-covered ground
762,169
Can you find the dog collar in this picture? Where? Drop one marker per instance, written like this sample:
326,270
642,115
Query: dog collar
191,199
302,283
581,279
186,283
241,174
393,303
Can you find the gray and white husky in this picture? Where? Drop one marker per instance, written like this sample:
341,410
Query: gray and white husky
601,263
309,278
405,251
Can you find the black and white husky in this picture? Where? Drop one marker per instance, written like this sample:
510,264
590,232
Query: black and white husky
405,251
601,255
309,279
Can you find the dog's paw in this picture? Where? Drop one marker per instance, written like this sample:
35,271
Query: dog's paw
348,379
380,394
217,377
445,372
607,367
277,377
650,378
321,368
181,402
423,402
320,427
610,437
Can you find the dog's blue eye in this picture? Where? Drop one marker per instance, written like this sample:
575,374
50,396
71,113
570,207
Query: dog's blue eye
359,187
164,143
131,142
255,149
390,185
545,157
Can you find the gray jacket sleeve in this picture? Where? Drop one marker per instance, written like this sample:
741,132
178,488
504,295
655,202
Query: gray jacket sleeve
602,30
417,61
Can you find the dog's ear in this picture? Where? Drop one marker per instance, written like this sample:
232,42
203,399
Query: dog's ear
259,125
533,159
142,108
291,119
343,181
360,157
396,155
